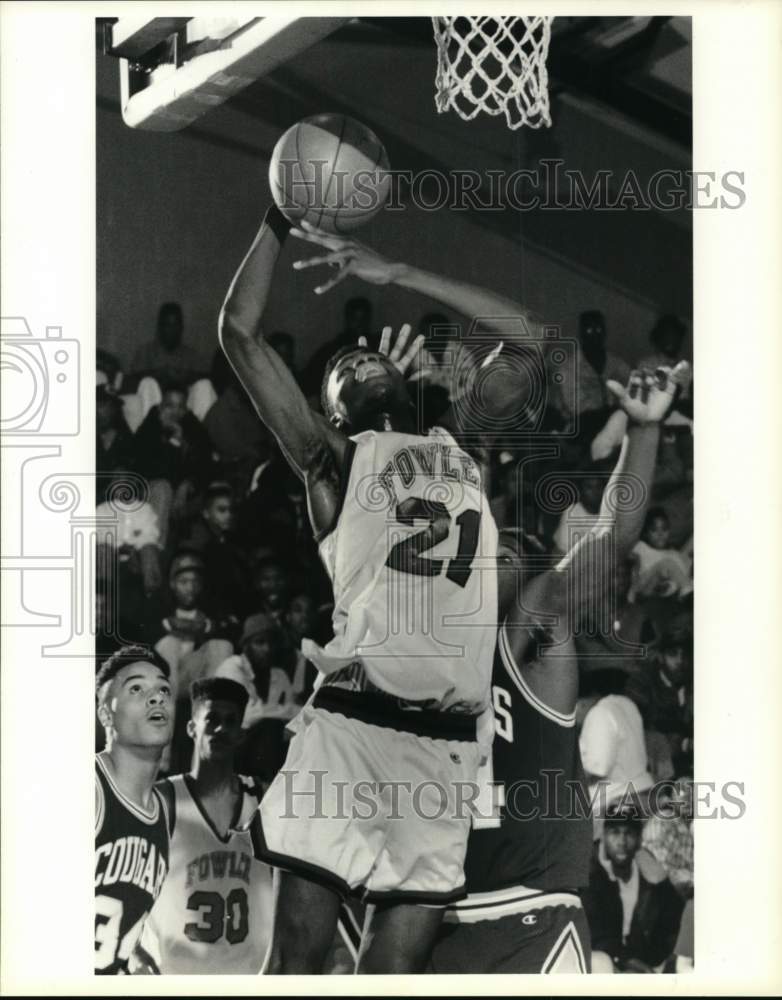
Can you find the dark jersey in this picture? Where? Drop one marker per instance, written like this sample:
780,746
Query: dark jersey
544,838
131,861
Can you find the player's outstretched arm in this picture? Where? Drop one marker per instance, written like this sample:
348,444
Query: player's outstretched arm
269,383
646,400
554,601
356,259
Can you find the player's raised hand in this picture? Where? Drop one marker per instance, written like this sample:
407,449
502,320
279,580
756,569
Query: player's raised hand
649,395
350,256
401,358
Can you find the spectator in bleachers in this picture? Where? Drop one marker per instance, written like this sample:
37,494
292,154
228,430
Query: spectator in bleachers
583,396
187,626
173,454
301,622
301,618
176,636
237,436
257,667
271,586
274,514
272,701
661,569
115,450
633,921
668,838
581,516
128,542
514,503
667,340
190,642
226,566
613,751
108,369
167,358
663,694
674,461
358,323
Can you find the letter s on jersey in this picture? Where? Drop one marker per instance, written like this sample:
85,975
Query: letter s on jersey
503,720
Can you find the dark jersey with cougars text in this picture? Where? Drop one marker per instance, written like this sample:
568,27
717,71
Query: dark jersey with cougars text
544,838
131,861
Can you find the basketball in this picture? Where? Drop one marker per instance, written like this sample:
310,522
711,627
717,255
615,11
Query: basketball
331,171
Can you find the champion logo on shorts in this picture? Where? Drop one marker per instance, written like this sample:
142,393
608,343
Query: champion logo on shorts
529,918
456,758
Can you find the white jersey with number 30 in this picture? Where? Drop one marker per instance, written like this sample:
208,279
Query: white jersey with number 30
412,558
214,912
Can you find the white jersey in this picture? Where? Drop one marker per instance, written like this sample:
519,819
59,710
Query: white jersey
412,559
214,912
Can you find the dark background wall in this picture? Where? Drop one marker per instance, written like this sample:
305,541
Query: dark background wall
177,211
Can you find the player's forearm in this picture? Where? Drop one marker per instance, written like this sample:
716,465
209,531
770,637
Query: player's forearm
245,302
470,300
622,513
639,464
267,380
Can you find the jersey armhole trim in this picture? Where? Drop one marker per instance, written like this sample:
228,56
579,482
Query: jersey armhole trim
344,477
165,790
565,719
100,805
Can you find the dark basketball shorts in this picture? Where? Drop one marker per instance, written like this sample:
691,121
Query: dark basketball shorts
497,932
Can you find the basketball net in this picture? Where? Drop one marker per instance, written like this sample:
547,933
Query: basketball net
496,65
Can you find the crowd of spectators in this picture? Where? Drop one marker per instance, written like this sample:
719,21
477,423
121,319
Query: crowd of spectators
206,553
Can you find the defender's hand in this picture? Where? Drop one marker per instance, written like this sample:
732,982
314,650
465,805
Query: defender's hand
401,358
649,395
348,255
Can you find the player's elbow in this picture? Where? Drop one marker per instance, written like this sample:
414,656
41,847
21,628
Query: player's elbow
231,332
227,327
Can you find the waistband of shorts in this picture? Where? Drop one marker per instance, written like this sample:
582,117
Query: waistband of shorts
384,710
494,905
